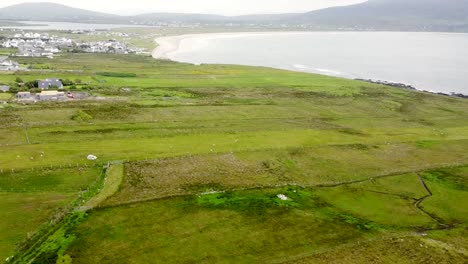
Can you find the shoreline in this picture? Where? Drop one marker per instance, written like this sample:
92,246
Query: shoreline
410,87
170,45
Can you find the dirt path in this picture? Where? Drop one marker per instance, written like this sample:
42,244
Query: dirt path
112,181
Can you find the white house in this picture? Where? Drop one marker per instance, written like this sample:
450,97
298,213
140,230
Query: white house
23,96
51,96
4,88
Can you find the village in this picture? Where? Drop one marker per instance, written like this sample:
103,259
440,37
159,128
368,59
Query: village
37,44
19,43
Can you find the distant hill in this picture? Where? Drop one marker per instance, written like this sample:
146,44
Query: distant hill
179,17
445,15
53,12
396,15
206,18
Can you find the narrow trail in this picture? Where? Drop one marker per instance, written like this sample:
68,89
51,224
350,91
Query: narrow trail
429,193
417,204
292,184
112,182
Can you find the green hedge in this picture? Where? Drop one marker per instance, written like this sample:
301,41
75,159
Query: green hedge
117,74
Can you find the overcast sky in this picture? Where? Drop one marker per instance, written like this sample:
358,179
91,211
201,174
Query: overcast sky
225,7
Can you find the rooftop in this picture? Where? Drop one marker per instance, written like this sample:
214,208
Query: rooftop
51,92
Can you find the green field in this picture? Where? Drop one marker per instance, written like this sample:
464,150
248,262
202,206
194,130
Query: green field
201,153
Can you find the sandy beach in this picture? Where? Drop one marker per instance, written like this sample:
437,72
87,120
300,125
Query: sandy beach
169,46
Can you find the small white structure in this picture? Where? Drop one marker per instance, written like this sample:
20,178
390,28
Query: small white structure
282,197
51,96
4,88
23,96
8,65
91,157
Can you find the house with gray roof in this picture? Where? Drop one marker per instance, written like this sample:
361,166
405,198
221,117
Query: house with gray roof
47,83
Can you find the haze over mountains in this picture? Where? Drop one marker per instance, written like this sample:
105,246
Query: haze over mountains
417,15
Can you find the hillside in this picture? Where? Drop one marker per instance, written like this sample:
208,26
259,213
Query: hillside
421,15
395,15
405,15
53,12
229,164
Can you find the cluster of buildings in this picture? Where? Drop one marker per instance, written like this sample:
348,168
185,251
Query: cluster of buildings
44,45
37,44
42,96
101,33
45,94
109,46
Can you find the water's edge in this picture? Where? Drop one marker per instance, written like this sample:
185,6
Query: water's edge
170,45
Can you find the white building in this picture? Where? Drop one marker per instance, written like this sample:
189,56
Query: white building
51,96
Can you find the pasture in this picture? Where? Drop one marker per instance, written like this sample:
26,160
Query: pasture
205,150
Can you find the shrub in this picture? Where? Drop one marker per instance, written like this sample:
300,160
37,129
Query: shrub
67,82
81,116
31,84
117,74
35,90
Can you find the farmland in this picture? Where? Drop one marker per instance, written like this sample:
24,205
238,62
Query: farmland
206,150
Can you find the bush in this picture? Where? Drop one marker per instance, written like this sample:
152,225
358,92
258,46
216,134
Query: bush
32,84
81,116
35,90
67,82
117,74
14,89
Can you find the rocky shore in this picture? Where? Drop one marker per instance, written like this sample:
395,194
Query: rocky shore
410,87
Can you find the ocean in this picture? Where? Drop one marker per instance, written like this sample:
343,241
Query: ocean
436,62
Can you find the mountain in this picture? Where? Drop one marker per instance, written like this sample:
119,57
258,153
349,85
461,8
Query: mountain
53,12
396,15
206,18
418,15
179,17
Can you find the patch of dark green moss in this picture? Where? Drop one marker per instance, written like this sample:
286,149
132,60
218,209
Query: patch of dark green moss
448,177
257,201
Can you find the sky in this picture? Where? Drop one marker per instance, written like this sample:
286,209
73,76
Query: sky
223,7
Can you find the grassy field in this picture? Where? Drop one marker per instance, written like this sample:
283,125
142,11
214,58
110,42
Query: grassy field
30,197
205,150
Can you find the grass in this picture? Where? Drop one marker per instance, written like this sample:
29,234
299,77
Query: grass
23,213
249,226
208,236
302,166
30,197
240,136
5,96
114,177
449,188
403,250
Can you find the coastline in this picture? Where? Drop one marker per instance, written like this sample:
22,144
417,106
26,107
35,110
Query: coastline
168,46
171,44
